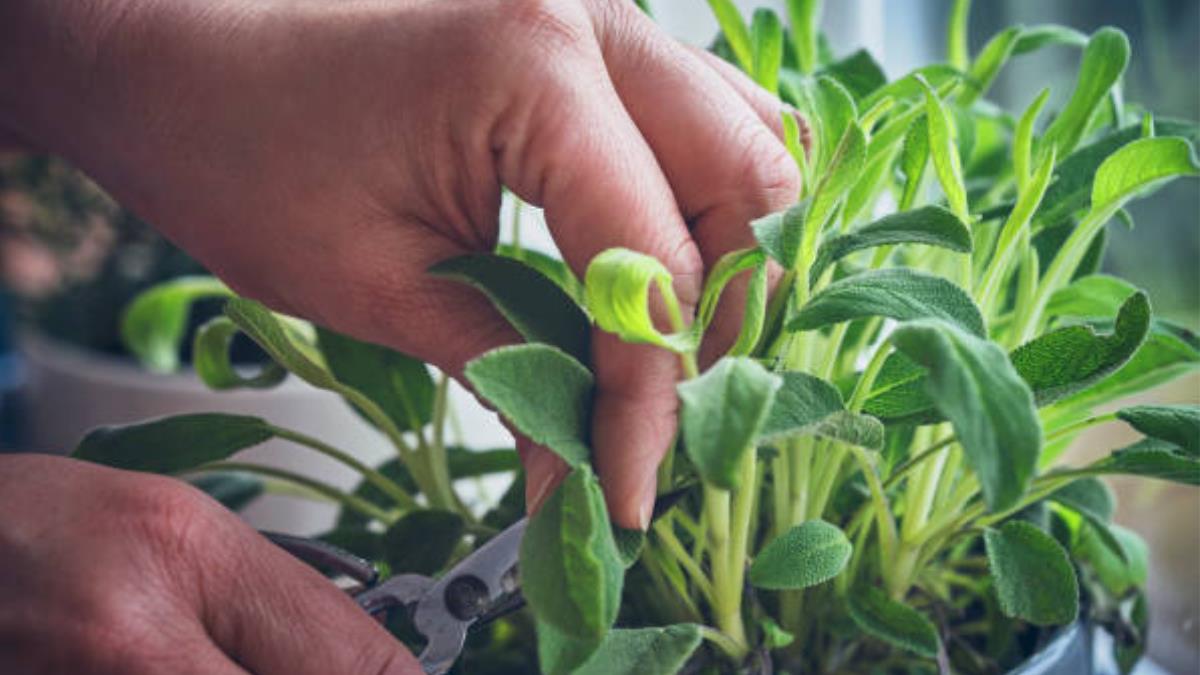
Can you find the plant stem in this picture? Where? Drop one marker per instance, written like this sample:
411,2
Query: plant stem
352,502
372,476
726,644
672,546
726,597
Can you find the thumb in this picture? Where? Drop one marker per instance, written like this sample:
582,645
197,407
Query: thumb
274,615
578,154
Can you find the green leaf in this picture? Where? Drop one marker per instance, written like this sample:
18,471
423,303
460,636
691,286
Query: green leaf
542,391
1140,166
629,544
570,571
805,18
561,654
553,268
988,64
721,412
210,359
1067,360
780,234
1091,296
400,385
754,315
735,32
858,73
1161,358
913,160
929,225
1072,186
533,303
232,489
973,384
1104,60
842,171
832,110
282,340
1048,34
153,326
774,636
644,651
1118,574
617,285
808,554
729,266
942,148
893,622
900,294
172,444
422,541
1089,497
1033,575
1022,152
807,405
1178,424
1151,458
766,38
908,86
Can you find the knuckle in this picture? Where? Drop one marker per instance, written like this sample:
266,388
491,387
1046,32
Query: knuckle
767,169
552,25
170,516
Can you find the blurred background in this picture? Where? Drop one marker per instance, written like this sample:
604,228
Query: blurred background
71,259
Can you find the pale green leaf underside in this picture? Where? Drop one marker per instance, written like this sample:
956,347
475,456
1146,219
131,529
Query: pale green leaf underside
153,326
644,651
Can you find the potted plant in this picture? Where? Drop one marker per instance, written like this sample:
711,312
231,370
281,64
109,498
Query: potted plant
870,479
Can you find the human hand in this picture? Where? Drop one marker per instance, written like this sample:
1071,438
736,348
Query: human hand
321,156
107,571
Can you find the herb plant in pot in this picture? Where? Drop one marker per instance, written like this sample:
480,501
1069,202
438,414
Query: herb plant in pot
870,479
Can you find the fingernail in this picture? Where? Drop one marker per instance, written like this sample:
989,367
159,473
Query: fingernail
646,505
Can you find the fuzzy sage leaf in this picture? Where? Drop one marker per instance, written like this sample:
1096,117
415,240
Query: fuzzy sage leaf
1178,424
542,391
570,571
900,294
173,444
617,287
928,225
973,384
721,413
1033,575
893,622
806,555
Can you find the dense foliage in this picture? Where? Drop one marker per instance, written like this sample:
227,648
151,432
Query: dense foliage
869,478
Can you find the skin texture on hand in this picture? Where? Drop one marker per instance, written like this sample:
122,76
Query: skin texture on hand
321,156
111,572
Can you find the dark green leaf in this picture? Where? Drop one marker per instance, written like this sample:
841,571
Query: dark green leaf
1070,359
1104,60
422,541
929,225
801,402
1177,424
153,326
364,543
973,384
543,392
900,294
893,622
1161,358
233,490
780,234
400,385
858,73
570,570
721,413
533,303
1089,497
806,555
1151,458
644,651
553,268
1033,576
629,544
172,444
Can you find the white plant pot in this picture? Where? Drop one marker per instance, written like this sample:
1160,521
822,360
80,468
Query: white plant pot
71,391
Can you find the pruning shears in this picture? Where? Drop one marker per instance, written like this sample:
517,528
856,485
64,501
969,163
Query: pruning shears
482,587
